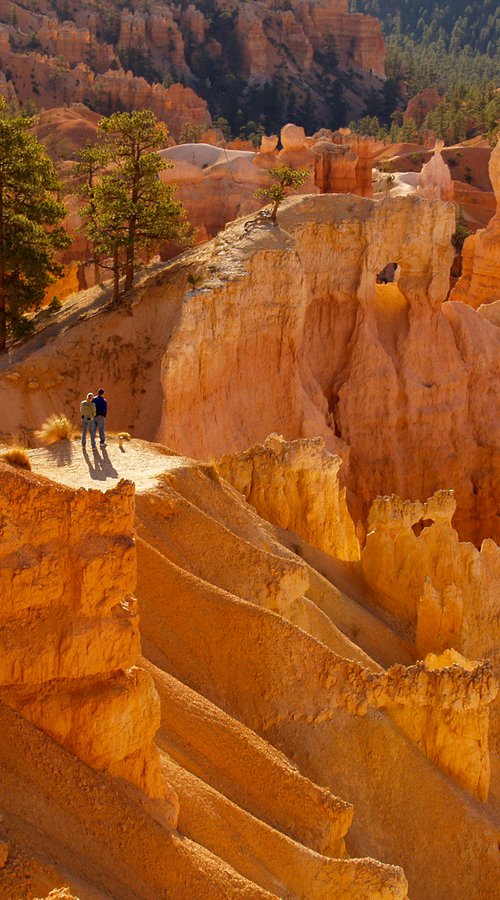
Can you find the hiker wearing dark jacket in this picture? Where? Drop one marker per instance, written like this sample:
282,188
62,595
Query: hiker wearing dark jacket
101,407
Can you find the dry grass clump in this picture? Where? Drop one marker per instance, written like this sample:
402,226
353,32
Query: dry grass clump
56,428
17,456
123,436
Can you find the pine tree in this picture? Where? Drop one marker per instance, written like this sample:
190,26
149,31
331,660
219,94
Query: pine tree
282,179
30,216
129,209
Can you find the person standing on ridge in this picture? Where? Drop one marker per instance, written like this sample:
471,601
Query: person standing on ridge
88,412
101,412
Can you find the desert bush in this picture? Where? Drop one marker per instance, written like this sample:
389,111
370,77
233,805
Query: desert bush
56,428
195,279
17,456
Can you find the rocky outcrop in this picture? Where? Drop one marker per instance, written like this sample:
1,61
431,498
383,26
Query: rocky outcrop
296,486
375,370
435,180
443,590
357,39
445,712
54,64
356,351
422,104
176,105
443,705
379,734
69,627
481,253
365,149
301,48
74,44
218,184
335,168
257,713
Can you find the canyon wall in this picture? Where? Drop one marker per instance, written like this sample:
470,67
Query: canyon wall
69,631
400,385
53,55
442,706
395,741
443,593
371,369
439,593
481,253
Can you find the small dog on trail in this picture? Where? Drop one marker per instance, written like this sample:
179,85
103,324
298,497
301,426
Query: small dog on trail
123,436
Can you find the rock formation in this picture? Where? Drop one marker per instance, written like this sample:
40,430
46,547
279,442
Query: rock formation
435,181
315,712
438,591
217,184
57,54
479,283
445,709
250,698
375,370
443,590
365,149
389,337
64,63
288,484
422,104
335,168
297,839
69,634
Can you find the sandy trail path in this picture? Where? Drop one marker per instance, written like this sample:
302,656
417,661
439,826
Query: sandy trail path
68,463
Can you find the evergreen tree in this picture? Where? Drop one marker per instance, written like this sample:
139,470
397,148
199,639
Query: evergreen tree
282,179
128,207
30,216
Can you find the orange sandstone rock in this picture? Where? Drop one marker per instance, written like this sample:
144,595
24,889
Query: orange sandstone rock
444,708
479,283
444,590
435,178
296,486
422,104
335,168
69,629
374,370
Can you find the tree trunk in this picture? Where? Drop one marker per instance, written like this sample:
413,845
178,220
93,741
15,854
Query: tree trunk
129,266
3,305
3,312
116,276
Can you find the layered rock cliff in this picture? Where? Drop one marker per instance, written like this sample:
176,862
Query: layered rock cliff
69,626
438,592
441,591
318,58
399,384
479,283
340,357
259,686
296,485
